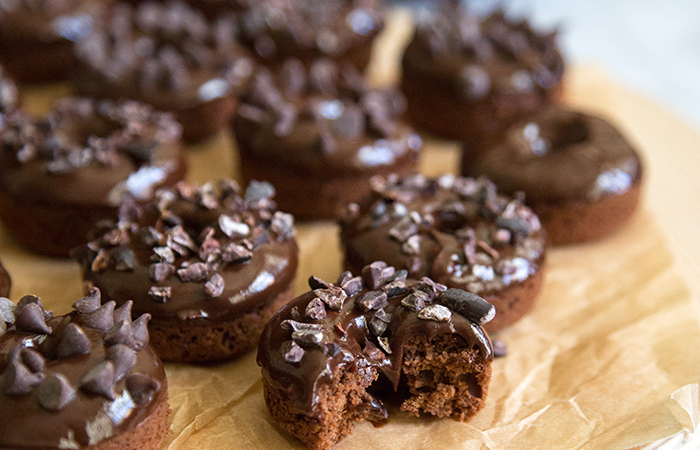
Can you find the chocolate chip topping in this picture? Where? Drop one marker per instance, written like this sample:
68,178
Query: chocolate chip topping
30,318
55,392
18,379
142,388
122,358
101,319
89,303
73,342
100,380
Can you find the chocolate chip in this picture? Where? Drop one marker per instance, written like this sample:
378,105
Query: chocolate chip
122,358
379,322
100,380
416,300
468,305
89,303
372,274
160,271
139,331
352,286
292,353
18,379
193,273
233,228
120,333
32,359
31,319
438,313
371,300
315,310
142,388
499,348
123,312
124,259
384,344
102,319
334,297
7,311
283,225
73,342
258,190
215,286
55,392
160,294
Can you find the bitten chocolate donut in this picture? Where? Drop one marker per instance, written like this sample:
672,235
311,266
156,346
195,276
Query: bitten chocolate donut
276,30
37,37
318,135
331,356
169,56
210,265
5,282
579,173
457,231
466,77
84,380
61,174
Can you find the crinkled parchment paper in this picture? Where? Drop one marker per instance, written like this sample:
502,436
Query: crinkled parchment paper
606,360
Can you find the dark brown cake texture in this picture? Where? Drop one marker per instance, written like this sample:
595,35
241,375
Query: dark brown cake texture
62,173
457,231
467,76
343,30
210,264
319,134
5,282
333,355
84,380
37,37
169,56
579,173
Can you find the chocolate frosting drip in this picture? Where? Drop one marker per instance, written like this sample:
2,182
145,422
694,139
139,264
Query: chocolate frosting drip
485,56
561,155
455,230
5,282
168,55
362,322
195,253
8,96
36,22
309,29
89,152
72,385
323,120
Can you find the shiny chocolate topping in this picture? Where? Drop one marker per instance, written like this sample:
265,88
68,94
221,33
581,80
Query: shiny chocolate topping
561,155
309,29
74,380
484,56
5,282
195,253
324,120
166,54
363,322
89,152
457,231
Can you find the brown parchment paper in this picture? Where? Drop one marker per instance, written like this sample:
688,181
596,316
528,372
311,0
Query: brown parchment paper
606,360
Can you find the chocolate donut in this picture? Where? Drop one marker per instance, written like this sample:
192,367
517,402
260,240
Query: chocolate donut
84,380
579,173
37,37
5,282
211,267
466,77
331,356
169,56
456,231
61,174
276,30
319,134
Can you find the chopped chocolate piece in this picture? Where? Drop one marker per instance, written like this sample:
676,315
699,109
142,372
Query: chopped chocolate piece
315,310
18,379
395,287
352,286
384,344
438,313
334,297
499,348
412,245
142,388
122,358
468,305
215,286
139,330
371,300
193,272
343,277
150,236
89,303
307,337
32,359
7,311
31,319
178,237
283,225
372,351
73,342
416,300
372,274
160,294
292,352
160,271
261,236
414,264
164,254
102,319
55,392
404,229
100,380
295,312
120,333
379,322
124,259
233,228
317,283
430,287
123,312
516,225
258,190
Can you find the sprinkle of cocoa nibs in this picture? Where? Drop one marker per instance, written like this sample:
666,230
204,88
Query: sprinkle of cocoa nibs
292,352
352,286
282,224
160,271
379,322
372,275
384,344
315,310
295,312
405,228
317,283
160,294
215,286
415,301
193,273
371,300
307,337
437,313
232,227
334,297
372,351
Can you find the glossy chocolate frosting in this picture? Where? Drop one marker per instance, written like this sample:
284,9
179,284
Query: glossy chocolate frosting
5,282
335,326
457,231
73,381
89,153
165,54
560,155
324,121
309,29
195,253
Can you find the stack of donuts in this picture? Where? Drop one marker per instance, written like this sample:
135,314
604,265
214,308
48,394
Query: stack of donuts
203,273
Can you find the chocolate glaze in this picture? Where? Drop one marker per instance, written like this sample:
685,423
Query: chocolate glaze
323,121
309,29
253,274
560,155
348,341
88,418
5,282
457,231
